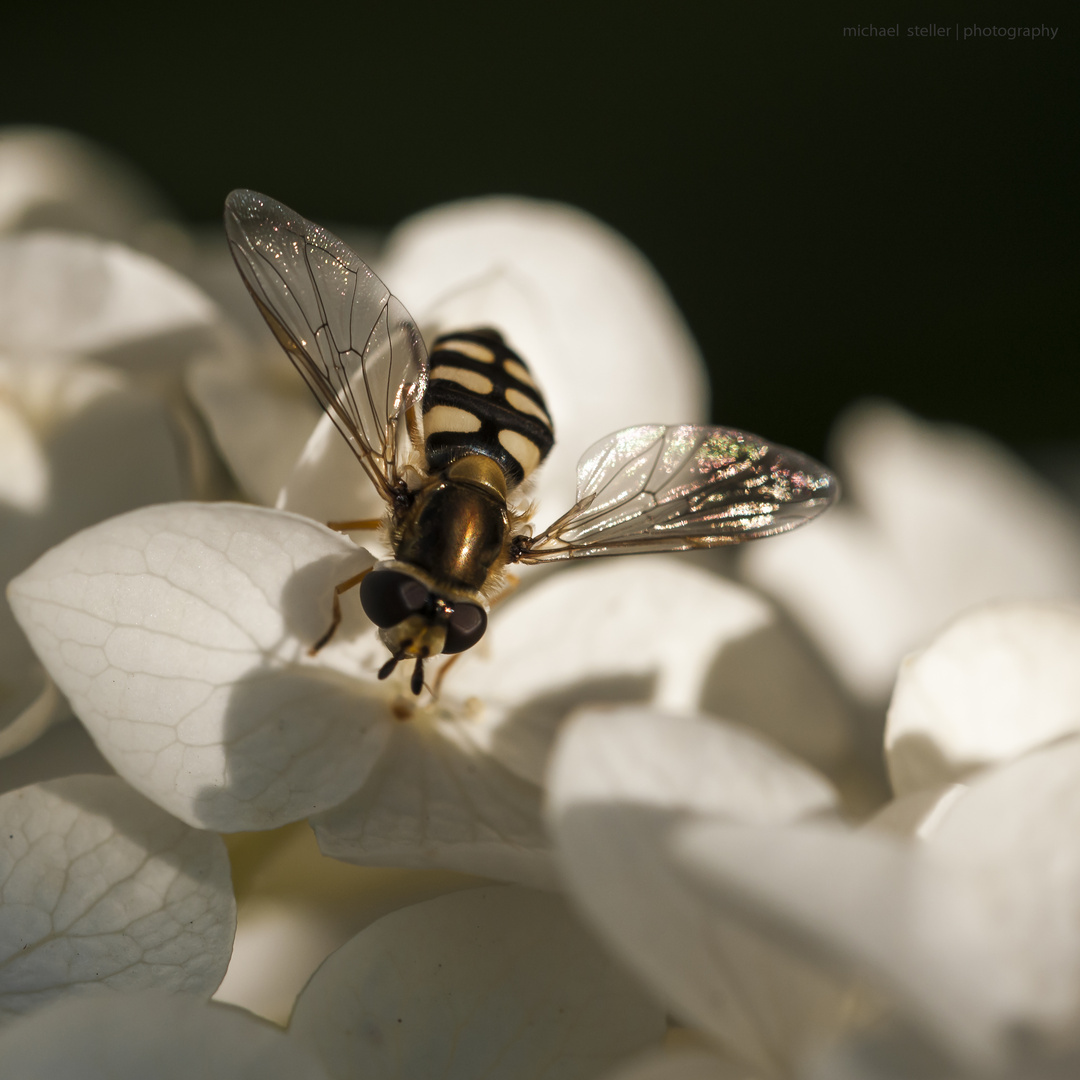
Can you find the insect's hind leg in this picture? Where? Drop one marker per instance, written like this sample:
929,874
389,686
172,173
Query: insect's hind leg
336,620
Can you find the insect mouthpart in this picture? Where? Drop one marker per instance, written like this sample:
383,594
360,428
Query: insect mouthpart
416,683
416,622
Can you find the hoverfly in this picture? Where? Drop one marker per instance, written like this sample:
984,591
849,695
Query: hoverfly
448,439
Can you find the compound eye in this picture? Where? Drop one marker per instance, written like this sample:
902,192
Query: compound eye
465,627
389,597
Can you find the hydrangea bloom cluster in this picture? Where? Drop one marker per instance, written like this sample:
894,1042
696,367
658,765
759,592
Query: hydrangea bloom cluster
647,799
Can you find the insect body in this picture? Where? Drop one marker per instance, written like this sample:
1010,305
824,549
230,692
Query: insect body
483,427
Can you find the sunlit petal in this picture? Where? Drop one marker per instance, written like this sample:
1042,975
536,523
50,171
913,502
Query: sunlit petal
998,682
179,635
103,892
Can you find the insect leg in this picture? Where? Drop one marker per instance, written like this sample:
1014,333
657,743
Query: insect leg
412,426
338,590
442,673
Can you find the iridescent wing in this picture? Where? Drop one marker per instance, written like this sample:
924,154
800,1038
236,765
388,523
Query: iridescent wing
657,488
354,343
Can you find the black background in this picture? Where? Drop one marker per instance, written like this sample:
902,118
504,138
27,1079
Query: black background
836,217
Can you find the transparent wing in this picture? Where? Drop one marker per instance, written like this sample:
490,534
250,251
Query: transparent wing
354,343
657,488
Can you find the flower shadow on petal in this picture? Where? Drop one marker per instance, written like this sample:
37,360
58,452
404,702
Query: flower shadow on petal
306,599
292,742
299,738
169,348
712,969
523,738
773,680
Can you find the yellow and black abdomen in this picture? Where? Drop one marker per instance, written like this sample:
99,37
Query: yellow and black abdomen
481,399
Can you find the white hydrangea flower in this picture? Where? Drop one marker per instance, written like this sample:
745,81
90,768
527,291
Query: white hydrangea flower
935,519
180,636
953,915
495,982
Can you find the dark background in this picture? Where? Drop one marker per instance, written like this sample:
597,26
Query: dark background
835,217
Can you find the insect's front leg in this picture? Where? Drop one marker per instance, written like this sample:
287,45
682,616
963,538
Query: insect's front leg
435,686
336,620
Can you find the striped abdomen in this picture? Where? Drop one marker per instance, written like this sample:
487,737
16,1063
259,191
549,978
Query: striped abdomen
481,399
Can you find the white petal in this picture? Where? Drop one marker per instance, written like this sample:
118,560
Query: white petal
494,982
326,482
969,520
841,581
30,709
138,1036
437,799
974,932
53,179
643,757
24,479
180,633
295,907
102,447
92,441
104,892
680,1065
1013,835
619,782
858,902
277,948
1000,681
261,416
658,630
62,293
918,813
941,519
895,1051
